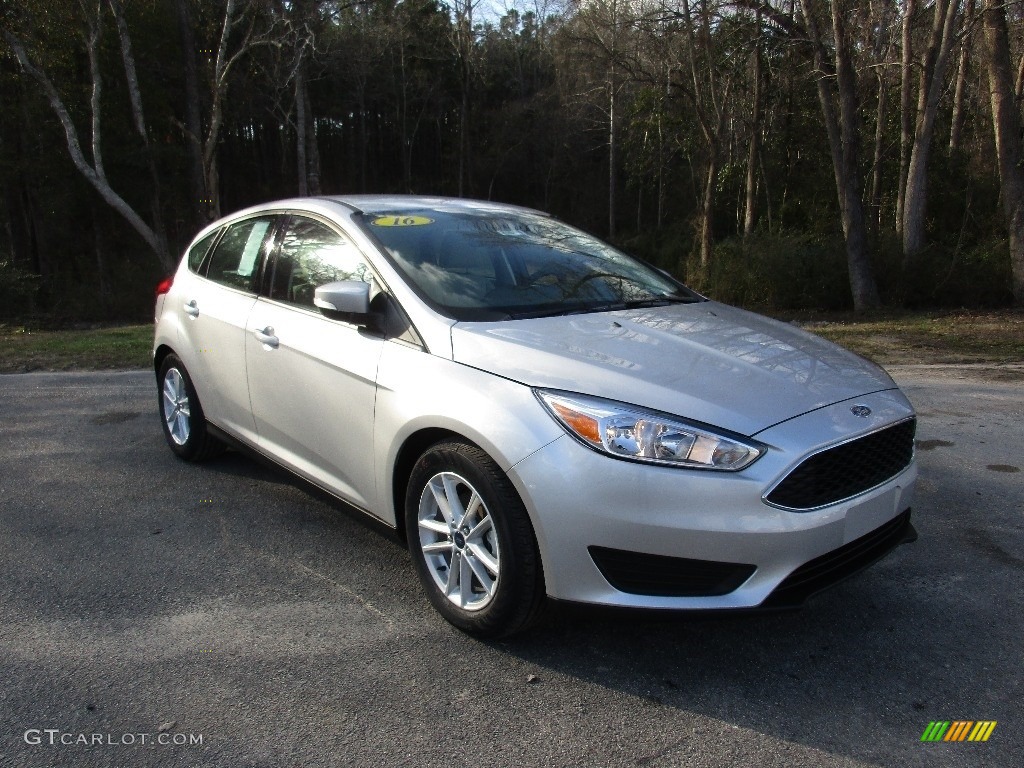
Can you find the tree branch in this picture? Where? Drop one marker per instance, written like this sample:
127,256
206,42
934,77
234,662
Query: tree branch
98,181
134,93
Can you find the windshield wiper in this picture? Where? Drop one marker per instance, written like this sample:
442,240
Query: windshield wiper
659,301
654,301
562,311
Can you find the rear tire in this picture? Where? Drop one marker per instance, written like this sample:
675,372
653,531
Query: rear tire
181,414
472,542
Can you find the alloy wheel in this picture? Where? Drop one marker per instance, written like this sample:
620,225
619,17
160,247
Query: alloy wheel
176,407
458,541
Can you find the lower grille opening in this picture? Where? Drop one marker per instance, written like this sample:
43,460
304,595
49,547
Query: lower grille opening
839,564
656,575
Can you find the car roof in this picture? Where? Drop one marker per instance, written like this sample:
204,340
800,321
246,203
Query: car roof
370,204
382,203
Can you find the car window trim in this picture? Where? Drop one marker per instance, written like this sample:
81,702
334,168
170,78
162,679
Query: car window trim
269,260
203,264
253,289
271,264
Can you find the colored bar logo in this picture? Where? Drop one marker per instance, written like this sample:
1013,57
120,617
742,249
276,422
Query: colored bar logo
958,730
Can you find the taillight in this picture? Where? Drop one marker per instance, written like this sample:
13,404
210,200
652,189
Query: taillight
164,285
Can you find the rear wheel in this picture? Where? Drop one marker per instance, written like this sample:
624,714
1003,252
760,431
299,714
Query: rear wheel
182,416
472,542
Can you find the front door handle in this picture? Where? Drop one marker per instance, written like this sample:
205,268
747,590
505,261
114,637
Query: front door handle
266,336
192,309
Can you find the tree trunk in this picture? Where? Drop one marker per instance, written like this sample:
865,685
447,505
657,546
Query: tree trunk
1019,88
223,62
906,113
464,50
611,155
844,141
749,209
312,146
464,108
957,119
710,100
364,141
1006,124
403,106
199,202
300,132
879,155
707,211
218,88
139,118
862,279
933,75
661,171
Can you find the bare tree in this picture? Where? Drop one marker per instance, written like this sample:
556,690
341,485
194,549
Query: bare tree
295,46
906,108
838,98
1006,124
959,95
139,116
303,43
753,150
930,89
199,200
94,171
707,80
464,41
238,37
603,26
881,46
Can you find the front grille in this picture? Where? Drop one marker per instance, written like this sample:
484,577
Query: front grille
848,469
641,574
839,564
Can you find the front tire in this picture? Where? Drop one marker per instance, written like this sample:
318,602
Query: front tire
472,542
181,414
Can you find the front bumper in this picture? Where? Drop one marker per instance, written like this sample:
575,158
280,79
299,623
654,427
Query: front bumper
583,503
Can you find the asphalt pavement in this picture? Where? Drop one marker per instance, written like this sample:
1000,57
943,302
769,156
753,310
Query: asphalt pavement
154,612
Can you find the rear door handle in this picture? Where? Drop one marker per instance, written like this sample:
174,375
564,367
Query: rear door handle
192,309
266,336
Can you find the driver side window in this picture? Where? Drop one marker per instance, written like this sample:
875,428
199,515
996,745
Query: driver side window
312,254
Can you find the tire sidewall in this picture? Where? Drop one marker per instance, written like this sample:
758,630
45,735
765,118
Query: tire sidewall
197,423
519,560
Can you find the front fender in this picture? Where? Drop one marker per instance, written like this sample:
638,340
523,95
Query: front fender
418,391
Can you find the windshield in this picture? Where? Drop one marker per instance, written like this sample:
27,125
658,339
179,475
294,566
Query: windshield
485,265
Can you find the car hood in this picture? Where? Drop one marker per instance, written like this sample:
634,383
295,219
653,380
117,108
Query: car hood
705,361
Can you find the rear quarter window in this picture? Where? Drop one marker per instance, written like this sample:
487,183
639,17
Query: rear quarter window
198,252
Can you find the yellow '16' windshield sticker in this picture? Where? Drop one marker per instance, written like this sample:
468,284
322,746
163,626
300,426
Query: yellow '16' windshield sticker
401,221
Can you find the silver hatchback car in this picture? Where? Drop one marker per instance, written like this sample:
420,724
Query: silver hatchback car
536,413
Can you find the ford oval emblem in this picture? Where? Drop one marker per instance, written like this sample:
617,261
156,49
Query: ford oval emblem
860,410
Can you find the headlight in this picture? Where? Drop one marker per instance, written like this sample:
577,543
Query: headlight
633,433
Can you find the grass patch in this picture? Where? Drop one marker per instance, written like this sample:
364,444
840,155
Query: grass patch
125,347
888,338
902,338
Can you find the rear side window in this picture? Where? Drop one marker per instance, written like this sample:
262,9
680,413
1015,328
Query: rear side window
312,254
237,255
198,252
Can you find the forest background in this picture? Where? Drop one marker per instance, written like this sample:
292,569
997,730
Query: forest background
779,155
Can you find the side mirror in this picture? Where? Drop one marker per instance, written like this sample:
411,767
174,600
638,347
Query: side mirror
348,296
